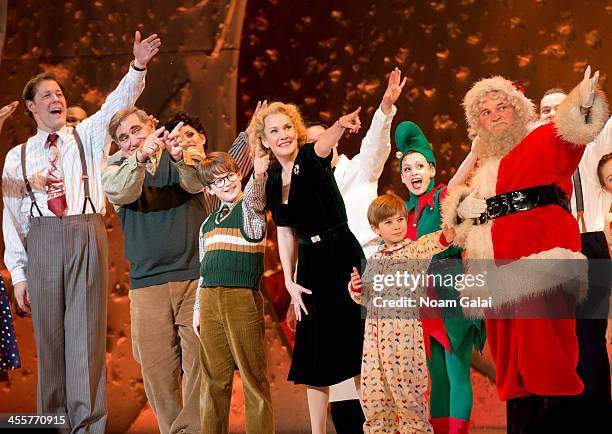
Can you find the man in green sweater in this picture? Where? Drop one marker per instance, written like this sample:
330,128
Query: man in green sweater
160,203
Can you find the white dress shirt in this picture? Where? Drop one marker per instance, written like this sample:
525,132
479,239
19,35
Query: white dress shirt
94,135
357,178
596,200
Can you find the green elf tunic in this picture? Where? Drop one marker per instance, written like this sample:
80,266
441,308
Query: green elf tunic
424,218
448,337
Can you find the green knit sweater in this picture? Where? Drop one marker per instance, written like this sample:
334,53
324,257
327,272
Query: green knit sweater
160,229
231,257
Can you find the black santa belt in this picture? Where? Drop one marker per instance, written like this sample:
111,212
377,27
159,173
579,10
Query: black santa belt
524,200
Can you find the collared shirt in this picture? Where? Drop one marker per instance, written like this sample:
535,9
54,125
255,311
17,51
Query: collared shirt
94,135
596,200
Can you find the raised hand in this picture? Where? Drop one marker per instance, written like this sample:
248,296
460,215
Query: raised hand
394,90
150,146
296,291
260,166
356,282
153,119
173,142
7,111
587,88
260,106
351,121
477,147
145,49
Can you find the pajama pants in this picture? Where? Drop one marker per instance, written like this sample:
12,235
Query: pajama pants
394,377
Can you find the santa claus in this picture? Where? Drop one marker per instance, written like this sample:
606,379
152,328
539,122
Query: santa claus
517,207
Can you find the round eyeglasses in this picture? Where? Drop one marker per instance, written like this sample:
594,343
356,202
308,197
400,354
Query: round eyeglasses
220,182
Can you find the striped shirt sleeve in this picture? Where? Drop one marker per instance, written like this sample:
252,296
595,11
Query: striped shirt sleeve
241,154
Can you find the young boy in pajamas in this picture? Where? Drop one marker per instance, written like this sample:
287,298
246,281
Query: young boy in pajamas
229,306
393,370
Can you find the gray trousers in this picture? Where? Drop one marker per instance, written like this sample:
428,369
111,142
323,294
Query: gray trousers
67,277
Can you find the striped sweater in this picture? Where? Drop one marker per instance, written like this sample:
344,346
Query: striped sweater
232,248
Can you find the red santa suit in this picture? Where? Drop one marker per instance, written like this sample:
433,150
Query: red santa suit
532,356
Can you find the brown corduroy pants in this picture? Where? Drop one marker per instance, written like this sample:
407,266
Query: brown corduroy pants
67,278
165,345
232,329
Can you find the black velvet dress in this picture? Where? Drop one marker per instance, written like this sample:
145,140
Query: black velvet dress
329,340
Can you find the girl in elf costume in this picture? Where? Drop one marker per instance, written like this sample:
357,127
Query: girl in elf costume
448,341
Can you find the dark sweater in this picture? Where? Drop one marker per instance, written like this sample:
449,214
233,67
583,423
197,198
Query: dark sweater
160,229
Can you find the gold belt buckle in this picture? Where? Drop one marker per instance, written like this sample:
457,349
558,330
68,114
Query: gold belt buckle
315,239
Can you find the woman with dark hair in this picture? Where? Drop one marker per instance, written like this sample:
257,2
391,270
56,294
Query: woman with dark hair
307,207
192,132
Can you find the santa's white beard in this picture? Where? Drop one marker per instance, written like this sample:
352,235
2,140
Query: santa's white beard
495,144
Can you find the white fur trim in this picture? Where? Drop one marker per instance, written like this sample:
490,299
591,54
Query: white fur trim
556,268
523,106
570,123
485,179
477,242
448,210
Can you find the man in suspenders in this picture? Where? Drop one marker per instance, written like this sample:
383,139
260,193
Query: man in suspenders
56,243
591,316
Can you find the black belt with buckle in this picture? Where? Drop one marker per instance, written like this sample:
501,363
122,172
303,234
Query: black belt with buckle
524,200
323,236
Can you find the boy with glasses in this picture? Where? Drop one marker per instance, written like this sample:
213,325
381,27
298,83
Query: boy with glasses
229,305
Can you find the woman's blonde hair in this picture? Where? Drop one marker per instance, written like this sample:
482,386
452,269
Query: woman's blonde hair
255,131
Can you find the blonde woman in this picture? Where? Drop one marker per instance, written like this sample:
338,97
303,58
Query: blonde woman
307,207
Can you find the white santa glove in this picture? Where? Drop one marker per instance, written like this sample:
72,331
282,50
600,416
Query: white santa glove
471,207
587,88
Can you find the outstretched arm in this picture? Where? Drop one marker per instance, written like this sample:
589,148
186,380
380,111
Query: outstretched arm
466,167
582,115
254,202
122,183
376,145
95,128
6,112
240,151
328,139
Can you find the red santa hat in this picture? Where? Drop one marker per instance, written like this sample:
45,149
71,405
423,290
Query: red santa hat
513,92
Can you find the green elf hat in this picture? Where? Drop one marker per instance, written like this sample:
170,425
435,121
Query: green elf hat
410,138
